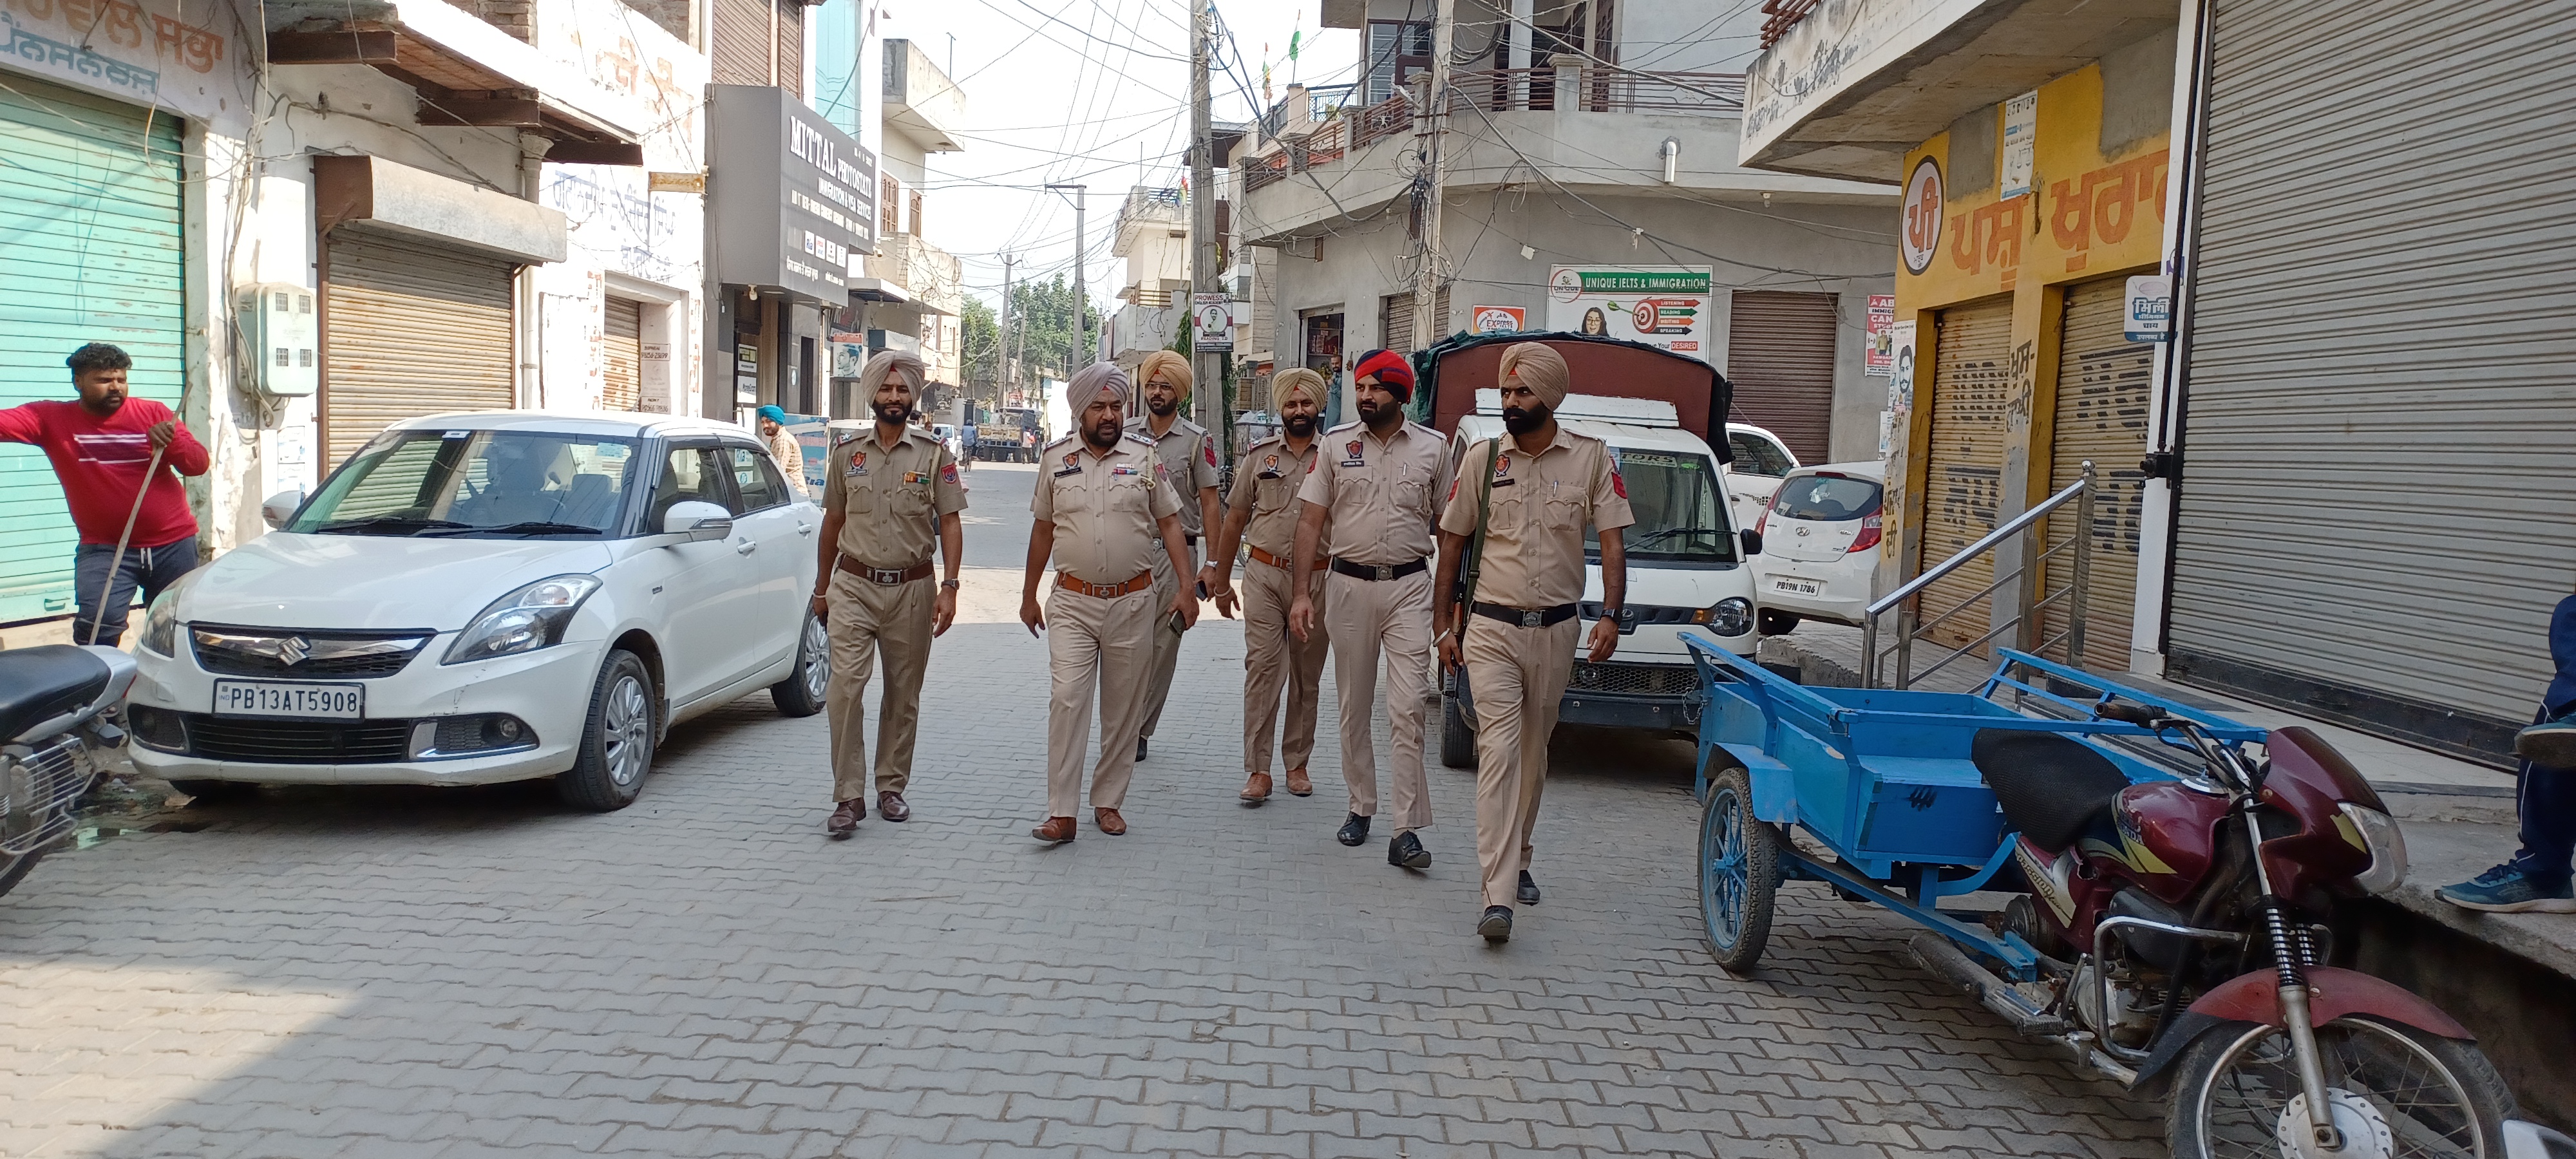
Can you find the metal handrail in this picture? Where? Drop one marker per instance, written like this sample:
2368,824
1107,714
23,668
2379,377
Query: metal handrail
2079,493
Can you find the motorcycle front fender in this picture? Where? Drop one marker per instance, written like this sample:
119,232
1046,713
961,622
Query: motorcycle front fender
2255,999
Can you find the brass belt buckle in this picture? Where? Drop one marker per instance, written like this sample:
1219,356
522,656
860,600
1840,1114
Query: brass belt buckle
1530,619
1385,571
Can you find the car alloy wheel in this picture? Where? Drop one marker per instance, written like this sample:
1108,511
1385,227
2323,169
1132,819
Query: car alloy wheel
626,730
817,648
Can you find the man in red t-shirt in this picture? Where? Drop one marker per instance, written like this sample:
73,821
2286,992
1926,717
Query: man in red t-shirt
100,447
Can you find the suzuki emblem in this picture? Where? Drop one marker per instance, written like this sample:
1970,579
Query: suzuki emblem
294,650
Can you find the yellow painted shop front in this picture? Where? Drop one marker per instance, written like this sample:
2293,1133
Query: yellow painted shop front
2025,371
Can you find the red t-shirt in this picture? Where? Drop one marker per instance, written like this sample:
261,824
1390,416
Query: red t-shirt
100,462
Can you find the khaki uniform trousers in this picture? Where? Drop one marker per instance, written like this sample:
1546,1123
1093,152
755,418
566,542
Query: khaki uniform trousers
1516,677
1276,661
1095,645
1367,616
867,620
1167,643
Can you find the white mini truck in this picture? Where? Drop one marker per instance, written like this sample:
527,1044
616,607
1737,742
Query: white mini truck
1686,570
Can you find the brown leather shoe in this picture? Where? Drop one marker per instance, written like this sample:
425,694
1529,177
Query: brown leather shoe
1298,785
1256,788
1056,831
1110,822
891,807
845,819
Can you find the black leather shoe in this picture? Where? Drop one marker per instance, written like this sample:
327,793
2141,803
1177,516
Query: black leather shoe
1140,748
1528,890
1407,851
1496,925
1354,831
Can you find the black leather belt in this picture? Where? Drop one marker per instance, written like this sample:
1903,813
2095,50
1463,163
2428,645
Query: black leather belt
1380,571
1526,617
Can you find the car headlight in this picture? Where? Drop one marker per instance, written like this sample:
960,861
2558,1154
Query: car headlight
2377,834
1732,616
530,618
161,625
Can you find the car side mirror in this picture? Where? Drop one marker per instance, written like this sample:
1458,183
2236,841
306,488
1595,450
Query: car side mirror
698,520
1752,541
280,508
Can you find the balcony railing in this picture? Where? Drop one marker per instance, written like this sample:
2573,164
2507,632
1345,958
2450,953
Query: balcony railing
1708,94
1784,15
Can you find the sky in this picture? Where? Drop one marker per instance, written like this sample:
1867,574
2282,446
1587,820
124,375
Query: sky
1090,91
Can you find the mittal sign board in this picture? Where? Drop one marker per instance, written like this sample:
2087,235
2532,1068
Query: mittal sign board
1661,306
791,199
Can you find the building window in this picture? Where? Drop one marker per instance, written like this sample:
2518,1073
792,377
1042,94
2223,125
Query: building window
1396,50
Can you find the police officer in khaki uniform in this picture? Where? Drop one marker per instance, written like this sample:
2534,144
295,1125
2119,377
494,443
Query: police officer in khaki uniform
1104,513
1262,509
1188,456
1517,636
883,495
1379,483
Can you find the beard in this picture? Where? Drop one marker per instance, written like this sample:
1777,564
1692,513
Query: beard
1300,426
895,414
1104,434
1164,408
1380,416
1521,422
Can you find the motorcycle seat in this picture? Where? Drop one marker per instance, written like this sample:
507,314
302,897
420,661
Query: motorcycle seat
2053,788
37,684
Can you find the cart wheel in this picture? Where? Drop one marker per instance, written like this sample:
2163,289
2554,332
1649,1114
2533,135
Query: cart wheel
1739,872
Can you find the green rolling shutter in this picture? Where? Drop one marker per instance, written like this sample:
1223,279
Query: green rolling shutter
89,252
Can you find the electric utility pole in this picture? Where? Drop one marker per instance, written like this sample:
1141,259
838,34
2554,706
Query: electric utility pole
1207,368
1002,335
1433,268
1081,356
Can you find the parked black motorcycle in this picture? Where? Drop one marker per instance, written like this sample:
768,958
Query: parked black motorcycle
55,703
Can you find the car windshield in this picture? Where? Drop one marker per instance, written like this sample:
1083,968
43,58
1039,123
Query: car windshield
1679,516
1825,497
476,484
1755,455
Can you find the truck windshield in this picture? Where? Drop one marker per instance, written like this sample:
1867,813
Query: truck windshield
1679,515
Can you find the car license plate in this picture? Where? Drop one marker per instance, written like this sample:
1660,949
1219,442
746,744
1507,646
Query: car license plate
1795,587
281,698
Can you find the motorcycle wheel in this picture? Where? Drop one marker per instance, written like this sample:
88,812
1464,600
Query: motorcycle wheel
1739,872
2397,1092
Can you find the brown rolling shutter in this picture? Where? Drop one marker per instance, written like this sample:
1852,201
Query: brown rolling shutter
741,44
412,329
791,46
1963,474
2101,415
622,343
1395,320
1780,355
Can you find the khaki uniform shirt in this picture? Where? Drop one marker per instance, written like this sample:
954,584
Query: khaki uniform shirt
1188,455
891,500
1534,541
1265,484
1379,497
1104,507
791,459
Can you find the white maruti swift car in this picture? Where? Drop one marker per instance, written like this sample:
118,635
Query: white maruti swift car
476,598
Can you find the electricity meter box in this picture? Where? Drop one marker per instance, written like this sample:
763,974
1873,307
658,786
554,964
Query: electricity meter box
283,336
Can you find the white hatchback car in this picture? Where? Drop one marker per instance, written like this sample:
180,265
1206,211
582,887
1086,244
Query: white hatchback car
1820,538
475,598
1761,460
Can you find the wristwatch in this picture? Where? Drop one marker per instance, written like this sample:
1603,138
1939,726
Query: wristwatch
949,585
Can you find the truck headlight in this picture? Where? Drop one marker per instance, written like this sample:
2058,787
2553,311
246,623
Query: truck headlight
1732,616
161,625
525,620
2377,834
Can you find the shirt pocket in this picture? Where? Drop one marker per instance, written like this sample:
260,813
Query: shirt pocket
910,501
1132,495
1561,512
1269,495
857,497
1074,495
1511,512
1412,494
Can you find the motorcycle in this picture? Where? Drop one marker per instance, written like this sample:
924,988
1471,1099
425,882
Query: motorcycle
55,707
2184,928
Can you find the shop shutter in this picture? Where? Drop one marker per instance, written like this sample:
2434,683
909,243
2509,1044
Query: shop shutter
1395,320
622,344
89,210
2381,391
410,329
1963,475
2101,415
1780,356
742,42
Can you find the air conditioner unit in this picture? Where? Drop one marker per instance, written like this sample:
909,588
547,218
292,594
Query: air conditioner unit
284,337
